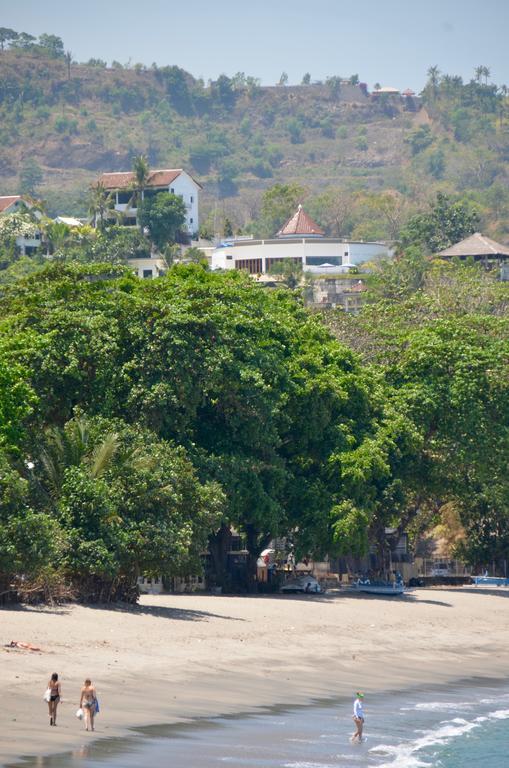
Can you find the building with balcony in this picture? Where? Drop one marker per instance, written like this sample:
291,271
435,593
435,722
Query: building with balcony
302,242
173,180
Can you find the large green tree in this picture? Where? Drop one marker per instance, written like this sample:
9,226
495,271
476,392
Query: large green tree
164,217
447,222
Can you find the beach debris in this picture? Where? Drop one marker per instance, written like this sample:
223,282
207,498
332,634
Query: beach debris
22,645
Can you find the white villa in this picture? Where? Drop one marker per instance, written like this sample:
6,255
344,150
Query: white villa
302,241
18,204
174,180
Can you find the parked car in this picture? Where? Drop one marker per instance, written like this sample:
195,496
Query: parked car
306,584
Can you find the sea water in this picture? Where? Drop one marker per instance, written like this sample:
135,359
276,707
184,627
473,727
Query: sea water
465,726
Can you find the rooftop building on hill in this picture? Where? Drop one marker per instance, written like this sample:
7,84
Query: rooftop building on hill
29,243
300,241
174,180
13,203
300,225
477,246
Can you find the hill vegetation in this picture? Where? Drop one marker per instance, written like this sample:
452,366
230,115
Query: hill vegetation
63,123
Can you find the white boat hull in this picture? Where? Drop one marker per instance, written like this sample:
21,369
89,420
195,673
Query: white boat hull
379,589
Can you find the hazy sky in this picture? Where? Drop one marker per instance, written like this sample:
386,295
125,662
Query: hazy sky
389,41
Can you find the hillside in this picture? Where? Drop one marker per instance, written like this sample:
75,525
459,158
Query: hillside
62,125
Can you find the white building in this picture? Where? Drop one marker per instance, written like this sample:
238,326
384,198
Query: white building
17,204
152,266
302,241
176,181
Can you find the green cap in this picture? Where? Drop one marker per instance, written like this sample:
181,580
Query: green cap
360,695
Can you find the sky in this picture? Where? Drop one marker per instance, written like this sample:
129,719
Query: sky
392,42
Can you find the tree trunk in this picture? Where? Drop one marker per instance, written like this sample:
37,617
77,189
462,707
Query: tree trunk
219,546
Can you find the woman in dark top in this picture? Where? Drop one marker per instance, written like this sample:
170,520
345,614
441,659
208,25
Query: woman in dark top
55,694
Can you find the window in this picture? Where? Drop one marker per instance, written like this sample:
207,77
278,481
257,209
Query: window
190,221
147,273
124,197
191,199
319,260
172,190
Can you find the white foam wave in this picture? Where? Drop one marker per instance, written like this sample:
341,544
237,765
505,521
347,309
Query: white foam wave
309,765
404,755
441,706
500,714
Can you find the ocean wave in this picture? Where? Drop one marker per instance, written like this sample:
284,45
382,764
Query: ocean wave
499,714
440,706
404,755
300,764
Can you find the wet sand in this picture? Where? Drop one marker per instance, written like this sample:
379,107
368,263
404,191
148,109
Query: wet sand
177,657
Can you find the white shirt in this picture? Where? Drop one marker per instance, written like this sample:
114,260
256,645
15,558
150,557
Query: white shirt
357,708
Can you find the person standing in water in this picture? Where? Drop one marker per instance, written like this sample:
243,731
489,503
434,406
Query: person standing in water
54,697
358,717
88,704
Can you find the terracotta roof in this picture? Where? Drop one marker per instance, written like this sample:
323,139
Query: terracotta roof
124,179
408,92
358,287
7,201
300,224
476,245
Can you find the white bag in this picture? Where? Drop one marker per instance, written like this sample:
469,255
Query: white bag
47,695
79,714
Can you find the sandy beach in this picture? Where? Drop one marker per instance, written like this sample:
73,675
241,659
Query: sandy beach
178,657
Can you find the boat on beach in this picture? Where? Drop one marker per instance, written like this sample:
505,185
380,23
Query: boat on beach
391,588
492,581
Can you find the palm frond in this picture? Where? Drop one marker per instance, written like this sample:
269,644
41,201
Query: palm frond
103,454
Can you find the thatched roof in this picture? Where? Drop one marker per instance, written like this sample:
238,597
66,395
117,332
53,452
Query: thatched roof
476,245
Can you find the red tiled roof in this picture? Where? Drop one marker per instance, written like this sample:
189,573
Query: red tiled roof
300,224
358,287
162,178
7,201
124,179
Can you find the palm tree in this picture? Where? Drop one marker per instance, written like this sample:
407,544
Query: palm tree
141,172
100,203
433,79
72,447
56,234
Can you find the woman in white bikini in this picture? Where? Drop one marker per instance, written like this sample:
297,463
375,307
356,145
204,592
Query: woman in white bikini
88,704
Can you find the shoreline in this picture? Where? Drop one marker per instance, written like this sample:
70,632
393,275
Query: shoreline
193,657
136,734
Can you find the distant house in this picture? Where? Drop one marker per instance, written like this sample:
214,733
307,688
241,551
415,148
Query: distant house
69,221
385,91
13,204
17,204
477,247
301,241
174,180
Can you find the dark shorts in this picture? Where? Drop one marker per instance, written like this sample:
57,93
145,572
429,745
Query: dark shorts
54,698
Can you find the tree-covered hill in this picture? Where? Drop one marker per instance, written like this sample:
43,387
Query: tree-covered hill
63,123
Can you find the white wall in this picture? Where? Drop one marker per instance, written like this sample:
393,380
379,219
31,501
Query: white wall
185,186
155,266
339,254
